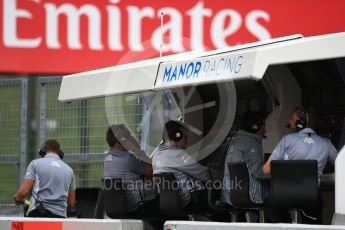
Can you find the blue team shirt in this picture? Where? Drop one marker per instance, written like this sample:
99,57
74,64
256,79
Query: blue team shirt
305,145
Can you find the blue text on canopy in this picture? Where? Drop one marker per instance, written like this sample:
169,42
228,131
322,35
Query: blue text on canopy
208,68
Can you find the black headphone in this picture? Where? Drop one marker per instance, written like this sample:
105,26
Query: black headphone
178,135
303,118
42,152
173,131
256,126
252,121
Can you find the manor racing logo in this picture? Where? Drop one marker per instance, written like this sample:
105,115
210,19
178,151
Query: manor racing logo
206,69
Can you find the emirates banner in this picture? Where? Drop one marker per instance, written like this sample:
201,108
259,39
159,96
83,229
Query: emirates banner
68,36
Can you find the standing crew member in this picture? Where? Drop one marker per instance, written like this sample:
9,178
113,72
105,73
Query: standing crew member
51,181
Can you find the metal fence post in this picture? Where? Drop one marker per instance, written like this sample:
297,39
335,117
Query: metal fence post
42,110
23,128
84,142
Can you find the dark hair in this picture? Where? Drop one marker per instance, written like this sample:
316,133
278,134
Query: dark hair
170,130
116,134
251,121
52,145
111,139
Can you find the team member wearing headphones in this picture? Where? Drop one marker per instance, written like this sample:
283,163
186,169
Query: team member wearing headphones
304,144
121,162
51,181
172,157
246,146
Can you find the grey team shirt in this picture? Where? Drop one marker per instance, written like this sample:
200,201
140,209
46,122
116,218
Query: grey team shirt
53,180
173,159
187,170
124,165
245,147
305,145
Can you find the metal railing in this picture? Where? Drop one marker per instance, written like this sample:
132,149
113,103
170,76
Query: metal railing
80,127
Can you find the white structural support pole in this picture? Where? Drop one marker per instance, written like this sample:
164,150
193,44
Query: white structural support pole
339,216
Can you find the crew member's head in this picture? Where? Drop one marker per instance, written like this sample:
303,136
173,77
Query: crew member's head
175,134
50,146
253,122
117,135
301,118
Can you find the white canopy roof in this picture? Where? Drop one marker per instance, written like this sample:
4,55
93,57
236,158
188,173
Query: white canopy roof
122,79
197,67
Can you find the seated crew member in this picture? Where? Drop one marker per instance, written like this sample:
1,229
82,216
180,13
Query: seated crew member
52,181
120,163
304,144
246,146
171,156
